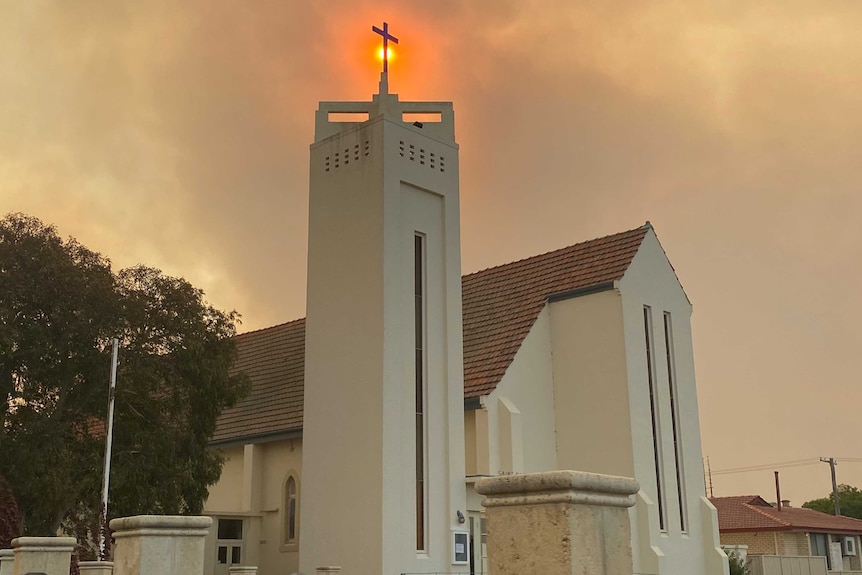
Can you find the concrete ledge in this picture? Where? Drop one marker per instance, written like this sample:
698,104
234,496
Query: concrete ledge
558,487
7,561
160,544
160,526
46,555
58,544
96,567
559,523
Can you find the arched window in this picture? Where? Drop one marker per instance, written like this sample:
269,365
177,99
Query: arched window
291,511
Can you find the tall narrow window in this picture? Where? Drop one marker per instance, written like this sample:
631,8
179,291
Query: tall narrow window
291,509
419,384
674,418
653,406
290,533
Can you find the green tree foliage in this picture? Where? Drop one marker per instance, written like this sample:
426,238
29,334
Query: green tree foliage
737,565
60,306
849,498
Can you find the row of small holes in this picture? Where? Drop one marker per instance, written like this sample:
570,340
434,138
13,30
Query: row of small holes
335,161
410,152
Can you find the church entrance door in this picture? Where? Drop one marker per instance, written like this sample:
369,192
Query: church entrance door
478,544
230,544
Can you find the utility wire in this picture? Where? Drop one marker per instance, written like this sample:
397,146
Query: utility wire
766,466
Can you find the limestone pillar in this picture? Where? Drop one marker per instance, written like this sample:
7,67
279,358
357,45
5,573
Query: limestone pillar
7,561
559,523
163,544
95,567
48,555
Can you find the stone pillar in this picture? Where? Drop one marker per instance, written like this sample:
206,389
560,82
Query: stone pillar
559,523
7,561
163,544
242,570
95,567
48,555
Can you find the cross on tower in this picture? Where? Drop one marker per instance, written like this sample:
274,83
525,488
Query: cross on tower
386,38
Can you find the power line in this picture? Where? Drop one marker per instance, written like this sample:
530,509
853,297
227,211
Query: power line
768,466
781,465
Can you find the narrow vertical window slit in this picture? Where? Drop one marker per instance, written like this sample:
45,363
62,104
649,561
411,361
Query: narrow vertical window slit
674,418
419,384
653,405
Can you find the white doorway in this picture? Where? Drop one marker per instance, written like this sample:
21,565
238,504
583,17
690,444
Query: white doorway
230,544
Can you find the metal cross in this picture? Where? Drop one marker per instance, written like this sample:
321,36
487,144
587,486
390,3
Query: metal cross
386,38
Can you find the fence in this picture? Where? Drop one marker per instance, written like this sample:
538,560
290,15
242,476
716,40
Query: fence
775,565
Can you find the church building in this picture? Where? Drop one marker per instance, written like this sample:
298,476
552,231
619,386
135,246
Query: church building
370,419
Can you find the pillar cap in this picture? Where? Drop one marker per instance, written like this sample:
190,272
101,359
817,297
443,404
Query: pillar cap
558,487
45,543
160,522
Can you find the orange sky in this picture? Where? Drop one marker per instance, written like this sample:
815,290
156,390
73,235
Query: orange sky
176,134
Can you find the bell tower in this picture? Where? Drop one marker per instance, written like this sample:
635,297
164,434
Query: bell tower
383,440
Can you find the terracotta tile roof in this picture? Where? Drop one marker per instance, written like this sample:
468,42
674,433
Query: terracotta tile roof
500,305
274,359
753,513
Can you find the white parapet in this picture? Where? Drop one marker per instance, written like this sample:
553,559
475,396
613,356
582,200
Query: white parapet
559,523
47,555
95,567
328,569
242,570
7,561
163,544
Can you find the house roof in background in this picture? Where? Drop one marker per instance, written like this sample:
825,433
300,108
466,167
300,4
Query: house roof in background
753,513
500,306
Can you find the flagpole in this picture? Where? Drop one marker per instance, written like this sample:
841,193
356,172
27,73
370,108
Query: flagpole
106,478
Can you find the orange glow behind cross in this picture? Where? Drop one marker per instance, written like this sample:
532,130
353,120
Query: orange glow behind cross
391,54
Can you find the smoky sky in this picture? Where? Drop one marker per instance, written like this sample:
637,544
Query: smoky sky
176,134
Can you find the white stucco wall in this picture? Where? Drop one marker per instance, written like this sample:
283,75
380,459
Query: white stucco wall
528,385
592,405
651,281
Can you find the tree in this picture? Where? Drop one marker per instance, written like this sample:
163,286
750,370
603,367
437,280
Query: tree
60,306
737,565
849,497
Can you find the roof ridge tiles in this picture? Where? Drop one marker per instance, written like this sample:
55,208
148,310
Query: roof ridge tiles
554,252
762,511
271,327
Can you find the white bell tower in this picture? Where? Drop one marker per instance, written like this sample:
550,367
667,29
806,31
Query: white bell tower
383,439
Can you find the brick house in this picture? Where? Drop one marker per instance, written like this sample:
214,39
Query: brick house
788,531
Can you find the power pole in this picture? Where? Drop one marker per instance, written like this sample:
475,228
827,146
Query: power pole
832,463
709,467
